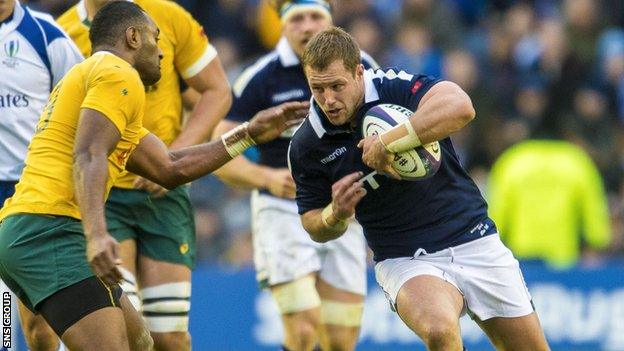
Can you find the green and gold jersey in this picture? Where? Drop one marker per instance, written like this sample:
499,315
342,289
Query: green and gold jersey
186,52
105,83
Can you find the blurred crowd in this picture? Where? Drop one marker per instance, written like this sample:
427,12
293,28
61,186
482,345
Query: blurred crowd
534,69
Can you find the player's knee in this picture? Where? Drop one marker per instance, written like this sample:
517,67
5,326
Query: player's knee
441,333
342,321
341,343
299,302
176,341
40,337
305,332
301,329
142,342
343,340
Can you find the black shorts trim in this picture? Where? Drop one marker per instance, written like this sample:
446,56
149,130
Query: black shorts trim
68,305
164,314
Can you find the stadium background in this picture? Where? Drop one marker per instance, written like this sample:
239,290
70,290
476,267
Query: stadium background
533,69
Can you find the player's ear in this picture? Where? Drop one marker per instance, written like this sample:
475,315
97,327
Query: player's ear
359,70
133,37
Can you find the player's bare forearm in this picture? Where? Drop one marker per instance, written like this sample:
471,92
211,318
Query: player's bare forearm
214,102
324,224
90,176
239,172
319,232
443,110
242,173
96,137
152,160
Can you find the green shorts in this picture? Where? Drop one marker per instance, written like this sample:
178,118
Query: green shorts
164,228
41,254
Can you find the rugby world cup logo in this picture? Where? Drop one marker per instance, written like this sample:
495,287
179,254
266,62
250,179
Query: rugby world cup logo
11,48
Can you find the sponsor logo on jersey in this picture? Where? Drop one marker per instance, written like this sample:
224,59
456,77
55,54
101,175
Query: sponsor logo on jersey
334,155
11,48
13,100
287,95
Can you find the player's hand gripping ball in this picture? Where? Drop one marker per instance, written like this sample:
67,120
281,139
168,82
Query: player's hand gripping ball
419,163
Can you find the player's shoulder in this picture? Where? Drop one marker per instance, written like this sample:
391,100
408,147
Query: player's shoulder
304,140
163,10
389,74
256,73
104,65
392,79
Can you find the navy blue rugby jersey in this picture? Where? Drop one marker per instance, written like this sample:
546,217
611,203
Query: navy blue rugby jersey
399,217
275,78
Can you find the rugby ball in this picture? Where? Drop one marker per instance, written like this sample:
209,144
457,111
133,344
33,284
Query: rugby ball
416,164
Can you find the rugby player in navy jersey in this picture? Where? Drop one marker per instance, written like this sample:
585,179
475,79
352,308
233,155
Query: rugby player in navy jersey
316,286
437,253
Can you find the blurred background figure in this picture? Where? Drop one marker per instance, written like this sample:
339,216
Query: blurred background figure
548,201
318,288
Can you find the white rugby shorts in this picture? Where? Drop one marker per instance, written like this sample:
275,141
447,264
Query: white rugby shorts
484,271
284,251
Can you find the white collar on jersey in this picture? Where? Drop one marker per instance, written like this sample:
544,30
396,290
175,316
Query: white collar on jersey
286,54
370,95
82,10
18,14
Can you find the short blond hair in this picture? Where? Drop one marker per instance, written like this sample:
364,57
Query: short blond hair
330,45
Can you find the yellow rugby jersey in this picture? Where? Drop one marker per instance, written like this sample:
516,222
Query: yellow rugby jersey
105,83
186,52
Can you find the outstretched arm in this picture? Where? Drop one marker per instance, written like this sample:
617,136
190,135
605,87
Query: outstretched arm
154,161
241,172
